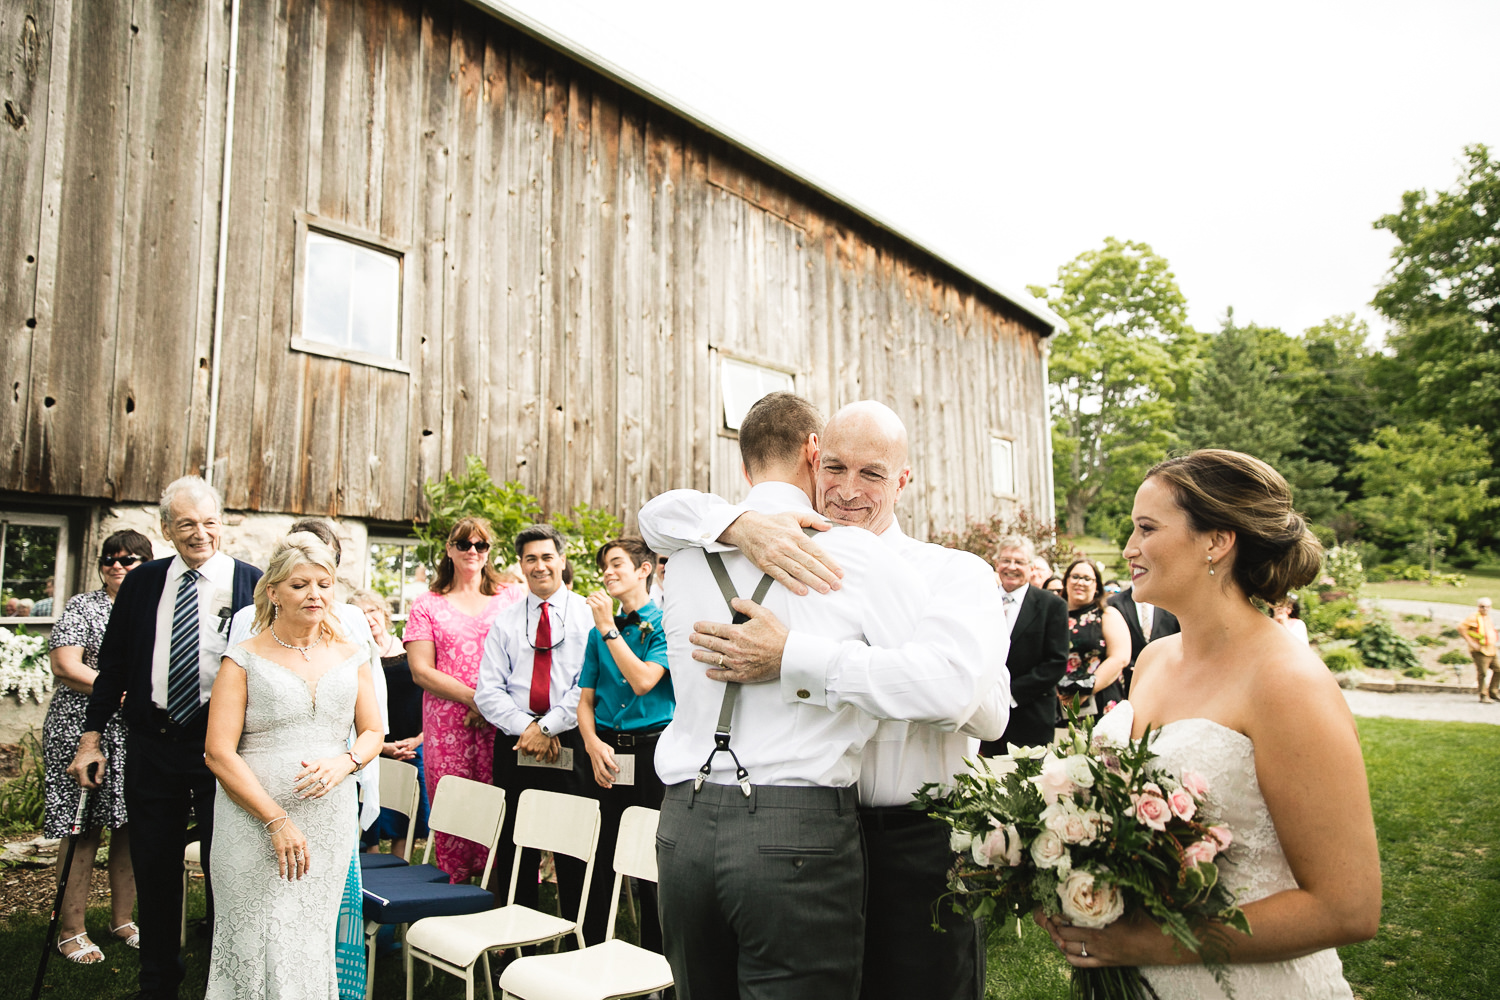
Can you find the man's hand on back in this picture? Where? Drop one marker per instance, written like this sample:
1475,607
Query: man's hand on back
748,653
777,544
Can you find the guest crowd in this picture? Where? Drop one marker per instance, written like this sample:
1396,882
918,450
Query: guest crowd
782,738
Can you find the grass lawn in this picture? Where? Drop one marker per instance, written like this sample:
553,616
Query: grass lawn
1436,790
1479,583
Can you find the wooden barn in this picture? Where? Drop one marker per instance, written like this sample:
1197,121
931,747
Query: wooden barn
322,250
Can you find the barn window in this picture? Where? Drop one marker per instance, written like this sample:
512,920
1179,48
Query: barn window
1003,466
395,573
744,384
33,556
349,296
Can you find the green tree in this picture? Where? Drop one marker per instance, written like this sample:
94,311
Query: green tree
1335,397
1247,396
1115,374
1421,481
1443,294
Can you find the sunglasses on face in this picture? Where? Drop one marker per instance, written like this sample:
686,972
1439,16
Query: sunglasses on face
105,562
464,545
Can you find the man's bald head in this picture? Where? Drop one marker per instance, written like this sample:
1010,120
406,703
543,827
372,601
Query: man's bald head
863,465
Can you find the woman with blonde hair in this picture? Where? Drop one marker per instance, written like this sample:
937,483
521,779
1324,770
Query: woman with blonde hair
444,636
1245,704
277,741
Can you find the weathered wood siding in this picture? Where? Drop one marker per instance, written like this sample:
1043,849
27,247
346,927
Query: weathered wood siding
578,255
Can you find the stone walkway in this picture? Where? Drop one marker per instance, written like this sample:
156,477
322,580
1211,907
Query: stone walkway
1438,611
1435,706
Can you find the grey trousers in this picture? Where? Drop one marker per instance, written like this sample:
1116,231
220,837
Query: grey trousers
762,897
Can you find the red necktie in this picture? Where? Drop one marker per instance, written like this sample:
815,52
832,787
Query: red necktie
541,665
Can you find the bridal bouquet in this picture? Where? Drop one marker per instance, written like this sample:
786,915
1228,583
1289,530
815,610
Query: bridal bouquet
1090,829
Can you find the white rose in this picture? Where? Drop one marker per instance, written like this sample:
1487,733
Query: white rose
959,841
1090,903
1049,851
1069,822
1077,770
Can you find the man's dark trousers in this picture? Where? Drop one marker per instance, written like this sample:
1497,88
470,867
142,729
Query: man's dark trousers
613,801
908,858
165,777
514,778
762,898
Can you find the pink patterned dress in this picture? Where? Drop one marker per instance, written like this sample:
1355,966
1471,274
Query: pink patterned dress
449,746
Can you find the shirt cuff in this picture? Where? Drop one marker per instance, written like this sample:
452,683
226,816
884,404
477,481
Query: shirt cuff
716,522
555,721
805,663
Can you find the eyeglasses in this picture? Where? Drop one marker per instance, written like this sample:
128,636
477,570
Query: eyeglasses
562,629
464,545
1075,578
105,562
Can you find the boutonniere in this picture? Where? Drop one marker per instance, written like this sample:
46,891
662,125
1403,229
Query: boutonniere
646,628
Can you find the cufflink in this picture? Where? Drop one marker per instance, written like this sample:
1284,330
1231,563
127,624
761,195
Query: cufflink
803,693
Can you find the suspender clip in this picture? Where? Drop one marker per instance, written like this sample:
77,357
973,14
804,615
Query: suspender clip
743,777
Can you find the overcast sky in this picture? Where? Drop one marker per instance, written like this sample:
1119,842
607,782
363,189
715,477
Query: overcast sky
1252,145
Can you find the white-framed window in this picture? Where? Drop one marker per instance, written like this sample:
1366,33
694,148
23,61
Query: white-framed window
744,383
33,566
395,573
349,295
1003,466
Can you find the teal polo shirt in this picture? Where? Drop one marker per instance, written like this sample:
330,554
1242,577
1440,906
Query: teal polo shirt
616,706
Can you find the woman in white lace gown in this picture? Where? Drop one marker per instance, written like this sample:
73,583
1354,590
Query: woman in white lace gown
1239,699
277,741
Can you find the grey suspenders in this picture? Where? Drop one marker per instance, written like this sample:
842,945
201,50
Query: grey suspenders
731,688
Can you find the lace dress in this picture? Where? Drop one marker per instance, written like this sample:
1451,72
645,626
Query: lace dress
1254,866
274,938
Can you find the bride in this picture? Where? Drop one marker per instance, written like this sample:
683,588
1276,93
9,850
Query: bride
1240,700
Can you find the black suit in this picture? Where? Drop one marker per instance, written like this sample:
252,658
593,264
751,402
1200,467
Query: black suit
1162,623
1037,659
164,771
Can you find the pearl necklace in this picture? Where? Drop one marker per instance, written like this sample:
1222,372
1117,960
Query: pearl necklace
301,649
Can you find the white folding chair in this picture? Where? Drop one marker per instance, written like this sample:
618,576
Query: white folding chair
547,821
399,792
614,968
192,864
402,896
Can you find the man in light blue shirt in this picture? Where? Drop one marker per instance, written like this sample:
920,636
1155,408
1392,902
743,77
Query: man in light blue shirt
625,703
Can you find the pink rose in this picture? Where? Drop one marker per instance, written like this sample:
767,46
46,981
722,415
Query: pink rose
1200,851
1001,846
1151,810
1181,803
1054,782
1222,835
1195,783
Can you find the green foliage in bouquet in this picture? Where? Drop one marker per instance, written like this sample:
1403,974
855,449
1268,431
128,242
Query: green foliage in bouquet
1091,831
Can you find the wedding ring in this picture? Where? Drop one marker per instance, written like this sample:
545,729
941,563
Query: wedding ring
1083,949
721,659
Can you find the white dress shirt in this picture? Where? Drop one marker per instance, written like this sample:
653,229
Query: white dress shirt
356,630
949,676
503,694
804,742
215,599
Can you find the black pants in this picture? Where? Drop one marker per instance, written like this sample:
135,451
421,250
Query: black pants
613,801
514,779
165,777
908,857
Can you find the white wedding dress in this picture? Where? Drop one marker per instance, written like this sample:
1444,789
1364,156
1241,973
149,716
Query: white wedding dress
274,938
1253,868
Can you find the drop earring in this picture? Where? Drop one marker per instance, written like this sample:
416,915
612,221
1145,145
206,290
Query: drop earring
1211,566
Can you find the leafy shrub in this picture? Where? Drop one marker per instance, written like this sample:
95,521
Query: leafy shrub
510,509
1428,640
1414,572
1417,672
1342,565
1455,658
1320,617
23,799
1347,628
1383,649
1342,658
1449,632
982,535
1416,618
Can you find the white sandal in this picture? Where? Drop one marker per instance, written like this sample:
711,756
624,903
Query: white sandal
134,940
83,953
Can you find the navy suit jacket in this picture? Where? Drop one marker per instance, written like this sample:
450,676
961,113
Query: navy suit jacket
1037,660
130,638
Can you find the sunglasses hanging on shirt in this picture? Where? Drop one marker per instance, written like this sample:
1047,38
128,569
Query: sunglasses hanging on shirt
562,629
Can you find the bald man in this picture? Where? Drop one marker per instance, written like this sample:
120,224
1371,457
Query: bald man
862,472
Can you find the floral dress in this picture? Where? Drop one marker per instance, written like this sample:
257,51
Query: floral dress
448,746
1085,653
82,624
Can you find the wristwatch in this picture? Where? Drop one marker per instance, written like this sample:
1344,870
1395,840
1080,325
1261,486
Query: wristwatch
613,633
355,757
543,727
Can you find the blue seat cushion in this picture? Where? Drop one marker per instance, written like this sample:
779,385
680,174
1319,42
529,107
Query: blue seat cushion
369,862
407,902
403,873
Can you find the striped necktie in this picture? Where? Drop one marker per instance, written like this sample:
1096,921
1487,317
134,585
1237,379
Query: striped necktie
182,661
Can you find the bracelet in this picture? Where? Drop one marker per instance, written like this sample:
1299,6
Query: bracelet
282,819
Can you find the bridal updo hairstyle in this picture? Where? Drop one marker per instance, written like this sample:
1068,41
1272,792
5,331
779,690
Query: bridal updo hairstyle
300,548
1220,490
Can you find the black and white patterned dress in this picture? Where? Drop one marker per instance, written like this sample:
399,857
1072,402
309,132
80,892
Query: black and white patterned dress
81,624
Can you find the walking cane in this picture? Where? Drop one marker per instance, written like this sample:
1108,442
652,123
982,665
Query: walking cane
62,886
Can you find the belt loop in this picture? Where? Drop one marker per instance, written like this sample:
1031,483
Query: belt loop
692,793
754,797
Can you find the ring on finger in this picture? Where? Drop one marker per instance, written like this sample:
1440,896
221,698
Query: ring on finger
721,659
1083,949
